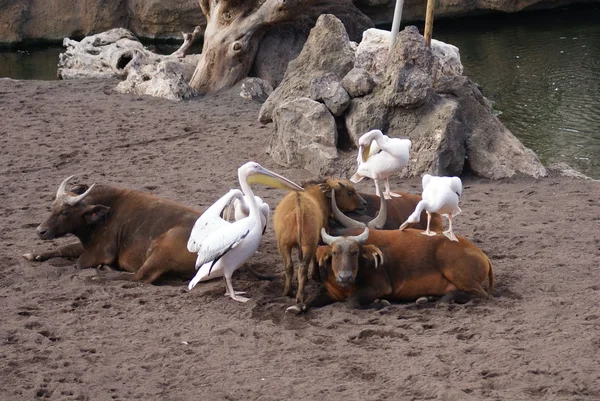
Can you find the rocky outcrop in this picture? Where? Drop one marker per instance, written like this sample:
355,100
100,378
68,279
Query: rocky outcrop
327,51
382,11
306,136
420,94
22,20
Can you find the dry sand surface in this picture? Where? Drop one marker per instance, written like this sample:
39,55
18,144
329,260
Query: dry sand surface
65,337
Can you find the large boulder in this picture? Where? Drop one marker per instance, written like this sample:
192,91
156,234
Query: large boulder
420,95
283,42
305,137
167,79
327,51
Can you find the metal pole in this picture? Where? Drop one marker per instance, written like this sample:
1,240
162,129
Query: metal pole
429,21
396,22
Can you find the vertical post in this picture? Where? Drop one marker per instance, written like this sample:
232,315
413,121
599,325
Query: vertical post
396,22
429,21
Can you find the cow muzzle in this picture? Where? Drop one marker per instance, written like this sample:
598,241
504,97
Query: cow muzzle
345,279
44,233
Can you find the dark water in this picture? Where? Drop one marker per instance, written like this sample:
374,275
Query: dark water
541,70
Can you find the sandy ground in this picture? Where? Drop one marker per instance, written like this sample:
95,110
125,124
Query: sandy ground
64,337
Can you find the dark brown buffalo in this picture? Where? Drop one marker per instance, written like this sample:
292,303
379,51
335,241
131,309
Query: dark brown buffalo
131,230
364,266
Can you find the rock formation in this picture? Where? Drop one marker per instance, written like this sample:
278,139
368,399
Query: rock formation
419,93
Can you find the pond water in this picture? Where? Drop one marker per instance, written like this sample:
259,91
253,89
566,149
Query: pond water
541,70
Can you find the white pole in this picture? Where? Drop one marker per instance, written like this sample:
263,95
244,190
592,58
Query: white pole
396,22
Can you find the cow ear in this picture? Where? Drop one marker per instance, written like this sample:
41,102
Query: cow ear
372,253
80,188
323,254
95,213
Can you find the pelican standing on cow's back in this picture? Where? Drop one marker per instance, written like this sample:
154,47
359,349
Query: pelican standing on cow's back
380,156
440,195
222,246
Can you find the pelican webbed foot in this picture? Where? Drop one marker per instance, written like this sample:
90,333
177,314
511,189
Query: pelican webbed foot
450,235
429,233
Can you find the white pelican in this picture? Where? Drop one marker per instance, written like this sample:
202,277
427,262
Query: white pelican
222,246
380,156
440,195
241,210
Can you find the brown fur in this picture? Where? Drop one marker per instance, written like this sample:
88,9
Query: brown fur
298,219
131,230
414,265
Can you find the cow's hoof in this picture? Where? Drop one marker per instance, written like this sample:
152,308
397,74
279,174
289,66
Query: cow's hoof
31,257
296,309
422,300
382,302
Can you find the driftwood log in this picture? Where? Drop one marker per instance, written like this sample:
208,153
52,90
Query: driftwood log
233,32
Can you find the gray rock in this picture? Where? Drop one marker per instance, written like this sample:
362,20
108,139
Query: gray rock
565,170
327,50
358,82
167,79
305,137
328,89
492,150
256,89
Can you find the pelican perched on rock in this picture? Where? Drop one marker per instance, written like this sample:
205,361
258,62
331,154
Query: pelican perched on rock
380,156
222,246
440,195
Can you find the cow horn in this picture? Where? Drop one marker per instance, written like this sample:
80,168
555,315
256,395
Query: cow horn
328,239
75,200
64,197
341,217
62,188
362,237
379,221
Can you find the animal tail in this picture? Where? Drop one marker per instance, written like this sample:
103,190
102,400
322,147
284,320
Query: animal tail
299,224
490,277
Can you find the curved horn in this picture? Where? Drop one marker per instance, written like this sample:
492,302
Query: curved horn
379,221
328,239
75,200
341,217
362,237
62,188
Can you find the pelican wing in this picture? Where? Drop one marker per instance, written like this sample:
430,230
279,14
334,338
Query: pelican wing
221,241
211,220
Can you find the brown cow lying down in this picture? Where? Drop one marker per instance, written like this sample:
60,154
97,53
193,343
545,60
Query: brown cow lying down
365,266
132,230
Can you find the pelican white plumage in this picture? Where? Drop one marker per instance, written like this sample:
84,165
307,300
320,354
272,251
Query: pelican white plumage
242,210
223,246
440,195
380,156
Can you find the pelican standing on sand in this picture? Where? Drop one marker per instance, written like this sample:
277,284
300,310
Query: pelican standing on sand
380,156
222,246
440,195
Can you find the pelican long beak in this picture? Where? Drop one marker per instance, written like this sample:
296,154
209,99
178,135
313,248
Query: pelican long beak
366,150
271,179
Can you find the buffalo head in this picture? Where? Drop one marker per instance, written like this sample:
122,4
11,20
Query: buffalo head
70,212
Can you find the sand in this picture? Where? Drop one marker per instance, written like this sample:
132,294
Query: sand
66,337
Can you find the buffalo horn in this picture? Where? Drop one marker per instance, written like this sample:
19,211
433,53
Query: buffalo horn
68,199
361,238
379,221
341,217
